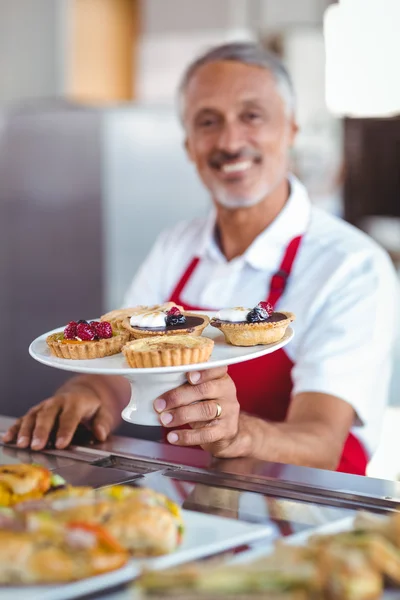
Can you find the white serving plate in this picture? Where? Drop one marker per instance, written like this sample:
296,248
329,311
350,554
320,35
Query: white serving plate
149,384
205,535
223,355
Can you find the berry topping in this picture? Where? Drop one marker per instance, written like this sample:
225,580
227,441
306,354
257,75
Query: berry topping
256,315
174,317
82,321
269,309
102,330
70,330
85,332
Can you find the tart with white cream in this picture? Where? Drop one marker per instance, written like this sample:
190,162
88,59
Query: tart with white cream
252,326
165,322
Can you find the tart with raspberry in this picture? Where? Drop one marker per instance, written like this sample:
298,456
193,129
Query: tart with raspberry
167,351
117,316
252,326
165,322
83,340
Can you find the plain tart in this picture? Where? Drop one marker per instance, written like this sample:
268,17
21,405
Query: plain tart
266,330
165,322
85,340
167,351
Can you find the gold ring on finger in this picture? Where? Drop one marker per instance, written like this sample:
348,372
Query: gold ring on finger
219,411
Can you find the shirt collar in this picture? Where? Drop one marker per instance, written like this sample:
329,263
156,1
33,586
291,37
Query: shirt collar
266,250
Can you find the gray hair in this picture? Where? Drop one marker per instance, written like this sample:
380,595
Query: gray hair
247,53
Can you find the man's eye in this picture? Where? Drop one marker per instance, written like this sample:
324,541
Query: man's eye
252,116
204,123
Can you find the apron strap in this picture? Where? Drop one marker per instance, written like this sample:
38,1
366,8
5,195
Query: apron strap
280,278
176,294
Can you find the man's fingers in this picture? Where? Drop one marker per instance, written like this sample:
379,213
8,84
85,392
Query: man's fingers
27,425
195,437
68,421
102,424
196,377
43,424
187,394
11,434
199,411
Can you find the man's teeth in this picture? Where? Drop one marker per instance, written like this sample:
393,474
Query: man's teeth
239,166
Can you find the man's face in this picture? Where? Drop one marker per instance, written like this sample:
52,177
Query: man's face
237,132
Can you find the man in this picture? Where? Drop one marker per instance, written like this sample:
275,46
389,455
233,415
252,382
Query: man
318,402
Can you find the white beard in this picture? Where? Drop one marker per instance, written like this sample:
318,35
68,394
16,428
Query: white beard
232,202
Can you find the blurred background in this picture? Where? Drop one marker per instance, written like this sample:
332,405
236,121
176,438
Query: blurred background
92,165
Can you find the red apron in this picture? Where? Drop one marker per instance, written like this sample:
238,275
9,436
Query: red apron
250,377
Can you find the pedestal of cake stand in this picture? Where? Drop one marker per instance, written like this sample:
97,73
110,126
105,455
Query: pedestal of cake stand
145,388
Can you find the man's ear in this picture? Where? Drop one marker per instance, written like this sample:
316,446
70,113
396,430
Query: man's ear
294,129
188,150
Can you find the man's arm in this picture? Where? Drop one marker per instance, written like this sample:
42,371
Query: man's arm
96,400
312,435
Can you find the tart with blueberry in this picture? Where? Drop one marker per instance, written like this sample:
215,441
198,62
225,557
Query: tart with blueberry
82,340
167,351
165,322
252,326
117,316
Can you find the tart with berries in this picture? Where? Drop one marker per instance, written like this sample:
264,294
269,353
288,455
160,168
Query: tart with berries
252,326
165,322
167,351
117,316
81,340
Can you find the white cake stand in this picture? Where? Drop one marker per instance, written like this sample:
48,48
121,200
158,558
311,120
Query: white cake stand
149,384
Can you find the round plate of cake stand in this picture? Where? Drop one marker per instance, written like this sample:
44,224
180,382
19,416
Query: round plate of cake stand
147,384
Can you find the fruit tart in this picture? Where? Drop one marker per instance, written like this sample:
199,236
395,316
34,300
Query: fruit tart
82,340
252,326
115,317
167,351
156,322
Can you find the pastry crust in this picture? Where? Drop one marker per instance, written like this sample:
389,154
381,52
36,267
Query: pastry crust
167,351
137,333
252,334
76,350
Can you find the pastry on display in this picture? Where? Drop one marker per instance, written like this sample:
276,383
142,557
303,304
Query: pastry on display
167,351
82,340
76,551
143,521
19,482
252,326
117,316
165,322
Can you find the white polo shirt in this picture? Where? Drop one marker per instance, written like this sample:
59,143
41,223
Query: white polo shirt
342,289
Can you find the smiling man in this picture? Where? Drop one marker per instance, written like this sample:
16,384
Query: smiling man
318,402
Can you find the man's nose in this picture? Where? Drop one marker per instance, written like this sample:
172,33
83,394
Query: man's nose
231,138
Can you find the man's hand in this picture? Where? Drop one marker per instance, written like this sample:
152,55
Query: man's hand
197,403
92,401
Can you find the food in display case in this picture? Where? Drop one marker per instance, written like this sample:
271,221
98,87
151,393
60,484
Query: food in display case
165,322
167,351
77,531
81,340
252,326
73,552
356,564
19,482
